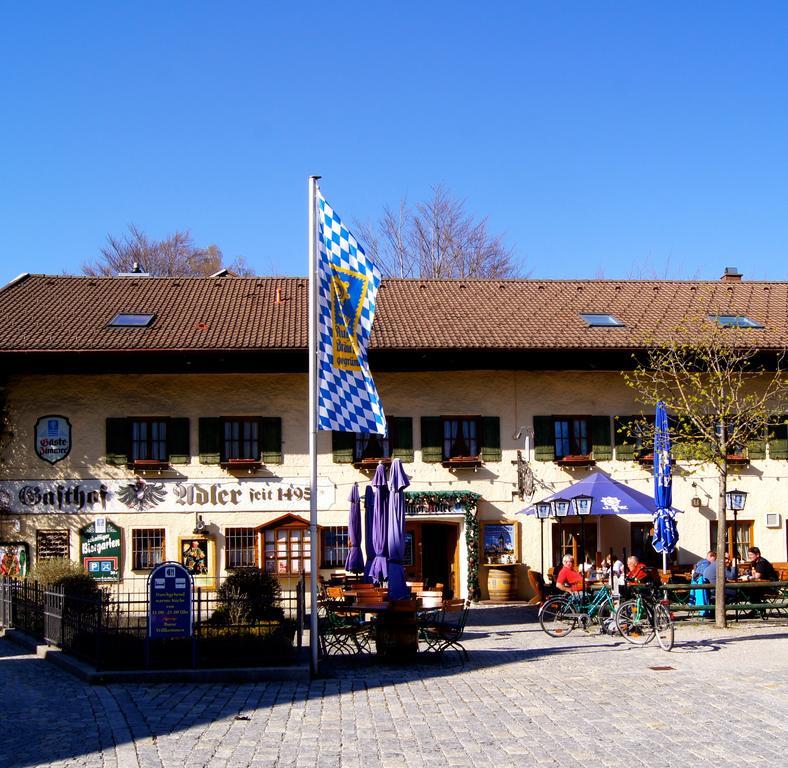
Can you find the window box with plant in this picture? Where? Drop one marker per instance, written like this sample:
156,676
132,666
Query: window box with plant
147,443
366,451
460,442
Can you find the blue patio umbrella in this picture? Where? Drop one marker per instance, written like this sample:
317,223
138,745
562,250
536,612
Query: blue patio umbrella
666,534
610,497
378,571
398,482
354,562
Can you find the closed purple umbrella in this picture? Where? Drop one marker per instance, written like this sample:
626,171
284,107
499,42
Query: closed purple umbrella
354,562
369,547
398,482
378,570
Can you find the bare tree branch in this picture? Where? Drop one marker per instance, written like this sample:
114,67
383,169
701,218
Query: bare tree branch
174,255
437,239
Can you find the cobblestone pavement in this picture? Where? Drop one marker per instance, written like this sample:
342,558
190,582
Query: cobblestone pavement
523,700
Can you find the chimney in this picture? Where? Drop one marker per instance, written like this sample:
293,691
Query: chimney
136,271
732,275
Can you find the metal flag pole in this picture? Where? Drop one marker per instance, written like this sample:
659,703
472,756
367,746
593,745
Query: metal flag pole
313,544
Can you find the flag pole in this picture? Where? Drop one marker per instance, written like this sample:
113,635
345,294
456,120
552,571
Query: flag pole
313,543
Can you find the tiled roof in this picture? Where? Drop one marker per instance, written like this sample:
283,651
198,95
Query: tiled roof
49,313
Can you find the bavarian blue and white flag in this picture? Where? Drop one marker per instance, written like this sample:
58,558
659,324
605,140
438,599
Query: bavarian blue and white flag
348,284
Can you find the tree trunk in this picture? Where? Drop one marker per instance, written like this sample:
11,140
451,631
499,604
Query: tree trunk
722,527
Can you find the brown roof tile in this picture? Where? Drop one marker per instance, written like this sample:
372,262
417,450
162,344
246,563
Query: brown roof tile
46,313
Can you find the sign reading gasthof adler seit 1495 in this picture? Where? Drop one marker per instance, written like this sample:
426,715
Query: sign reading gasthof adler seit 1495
162,495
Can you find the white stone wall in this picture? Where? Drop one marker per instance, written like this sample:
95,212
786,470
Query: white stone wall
87,400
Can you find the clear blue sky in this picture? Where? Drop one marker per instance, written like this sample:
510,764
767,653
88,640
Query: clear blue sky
615,139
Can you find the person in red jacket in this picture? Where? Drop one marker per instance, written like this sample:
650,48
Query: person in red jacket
636,571
568,579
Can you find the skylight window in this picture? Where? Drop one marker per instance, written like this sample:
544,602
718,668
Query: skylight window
131,320
599,320
735,321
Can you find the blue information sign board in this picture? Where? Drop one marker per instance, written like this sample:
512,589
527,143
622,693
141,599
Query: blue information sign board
169,601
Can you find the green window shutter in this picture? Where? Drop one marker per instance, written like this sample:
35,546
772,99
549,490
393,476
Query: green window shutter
778,439
756,449
343,445
600,438
271,428
178,441
117,441
210,435
544,438
401,435
491,438
431,439
625,445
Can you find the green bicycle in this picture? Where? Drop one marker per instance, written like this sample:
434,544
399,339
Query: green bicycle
644,617
560,614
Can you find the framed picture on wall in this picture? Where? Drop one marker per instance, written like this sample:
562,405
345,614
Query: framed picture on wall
499,543
198,555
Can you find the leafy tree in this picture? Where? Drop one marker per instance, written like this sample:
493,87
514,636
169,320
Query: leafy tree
722,392
175,255
437,239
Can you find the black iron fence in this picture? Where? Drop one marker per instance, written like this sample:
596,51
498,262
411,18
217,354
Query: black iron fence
110,630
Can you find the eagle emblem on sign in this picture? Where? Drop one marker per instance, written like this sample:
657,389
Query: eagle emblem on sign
140,495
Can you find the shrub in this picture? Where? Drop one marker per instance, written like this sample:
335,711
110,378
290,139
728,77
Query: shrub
52,570
249,595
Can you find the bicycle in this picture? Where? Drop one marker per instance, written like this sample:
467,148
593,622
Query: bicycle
560,614
643,617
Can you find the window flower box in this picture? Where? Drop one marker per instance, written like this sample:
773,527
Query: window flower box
149,465
576,461
462,462
369,465
248,465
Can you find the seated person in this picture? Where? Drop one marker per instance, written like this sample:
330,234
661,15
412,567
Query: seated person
568,579
761,568
731,574
637,572
616,567
702,565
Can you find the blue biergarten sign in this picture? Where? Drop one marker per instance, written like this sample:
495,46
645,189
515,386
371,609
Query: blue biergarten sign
169,601
100,548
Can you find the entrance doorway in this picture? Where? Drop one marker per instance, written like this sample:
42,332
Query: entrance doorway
434,555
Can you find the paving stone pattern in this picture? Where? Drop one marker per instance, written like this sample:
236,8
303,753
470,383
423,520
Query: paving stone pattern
523,700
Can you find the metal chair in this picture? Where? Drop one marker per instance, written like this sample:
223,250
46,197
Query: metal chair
446,631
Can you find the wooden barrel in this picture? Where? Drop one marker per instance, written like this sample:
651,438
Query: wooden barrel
501,583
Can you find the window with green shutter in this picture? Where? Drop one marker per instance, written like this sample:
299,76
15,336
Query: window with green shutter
178,441
401,432
626,444
342,446
491,438
600,438
209,439
118,441
778,438
431,439
544,438
272,439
